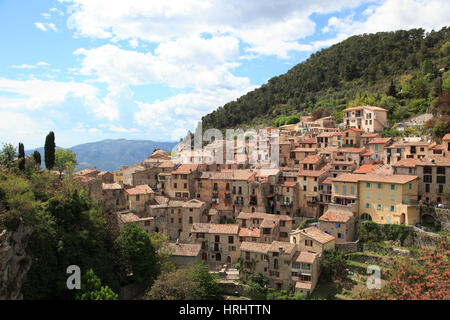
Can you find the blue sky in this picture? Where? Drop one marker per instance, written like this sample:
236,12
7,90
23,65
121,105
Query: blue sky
150,69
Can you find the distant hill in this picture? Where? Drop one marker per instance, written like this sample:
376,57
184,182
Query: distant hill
110,155
358,70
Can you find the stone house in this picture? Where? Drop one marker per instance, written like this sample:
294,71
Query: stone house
312,240
340,224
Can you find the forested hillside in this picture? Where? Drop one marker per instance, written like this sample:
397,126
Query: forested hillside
400,71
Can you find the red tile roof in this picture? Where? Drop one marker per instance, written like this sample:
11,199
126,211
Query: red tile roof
366,168
141,189
336,216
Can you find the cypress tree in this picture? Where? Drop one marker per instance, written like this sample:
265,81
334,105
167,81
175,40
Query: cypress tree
49,149
37,158
21,156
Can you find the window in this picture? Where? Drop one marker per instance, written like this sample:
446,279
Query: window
440,189
367,195
428,178
393,187
367,205
441,179
393,208
344,190
392,197
427,187
336,189
352,190
440,170
185,186
379,185
308,243
191,220
379,207
215,186
410,186
337,225
137,197
340,235
230,239
368,184
379,196
217,238
296,265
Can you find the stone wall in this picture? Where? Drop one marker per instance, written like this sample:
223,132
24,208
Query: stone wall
352,246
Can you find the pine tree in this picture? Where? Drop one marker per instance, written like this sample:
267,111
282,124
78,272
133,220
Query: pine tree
49,148
37,158
392,90
21,156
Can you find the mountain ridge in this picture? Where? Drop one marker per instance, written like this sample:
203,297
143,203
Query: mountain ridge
112,154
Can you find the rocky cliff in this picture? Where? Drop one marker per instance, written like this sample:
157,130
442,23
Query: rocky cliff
14,263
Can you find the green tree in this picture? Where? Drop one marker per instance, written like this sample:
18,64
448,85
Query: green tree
174,285
65,160
257,287
37,158
49,151
8,155
392,90
139,253
208,284
21,157
161,244
92,289
334,264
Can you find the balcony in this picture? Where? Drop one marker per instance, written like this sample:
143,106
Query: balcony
228,200
215,200
410,202
286,204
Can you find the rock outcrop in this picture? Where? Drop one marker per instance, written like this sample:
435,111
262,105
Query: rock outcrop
14,263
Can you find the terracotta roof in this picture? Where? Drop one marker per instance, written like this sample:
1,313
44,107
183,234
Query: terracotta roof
366,168
308,141
380,140
311,159
102,173
362,107
255,247
87,171
306,257
316,234
140,189
111,186
185,168
370,135
337,134
214,228
260,215
328,180
186,249
352,150
405,162
247,232
194,203
335,216
366,154
446,137
269,223
285,246
396,178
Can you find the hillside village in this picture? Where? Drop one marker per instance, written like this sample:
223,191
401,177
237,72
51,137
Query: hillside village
277,222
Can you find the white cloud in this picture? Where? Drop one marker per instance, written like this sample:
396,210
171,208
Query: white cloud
23,66
18,127
46,15
193,63
133,43
270,27
45,26
391,15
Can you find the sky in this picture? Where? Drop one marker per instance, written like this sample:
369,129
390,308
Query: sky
150,69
